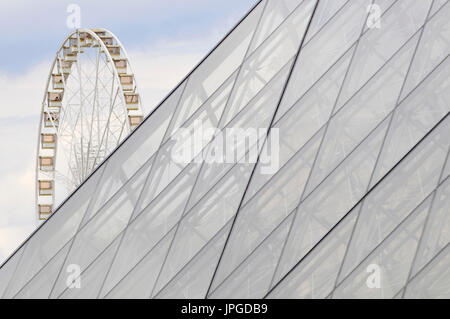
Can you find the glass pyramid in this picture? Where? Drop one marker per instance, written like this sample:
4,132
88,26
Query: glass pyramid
358,93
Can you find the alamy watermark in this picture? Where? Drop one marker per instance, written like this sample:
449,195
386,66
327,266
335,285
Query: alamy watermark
374,18
230,145
374,279
73,20
73,279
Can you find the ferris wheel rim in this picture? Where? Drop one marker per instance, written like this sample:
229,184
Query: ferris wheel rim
103,49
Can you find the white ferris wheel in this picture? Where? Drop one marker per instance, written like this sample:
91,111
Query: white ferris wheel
91,103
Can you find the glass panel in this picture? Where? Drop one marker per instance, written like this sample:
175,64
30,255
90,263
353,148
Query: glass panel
267,209
376,14
42,283
378,45
390,261
397,195
185,144
217,67
138,283
92,278
384,4
415,117
433,281
194,279
136,151
146,230
53,234
446,171
209,113
205,220
255,118
275,12
325,10
8,268
103,228
316,274
252,278
268,59
331,200
437,232
302,122
437,5
362,114
433,48
337,36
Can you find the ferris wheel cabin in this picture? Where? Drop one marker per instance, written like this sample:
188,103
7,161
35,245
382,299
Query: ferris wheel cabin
48,141
44,211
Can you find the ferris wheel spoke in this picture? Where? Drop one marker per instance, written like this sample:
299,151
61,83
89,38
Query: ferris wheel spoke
105,131
95,103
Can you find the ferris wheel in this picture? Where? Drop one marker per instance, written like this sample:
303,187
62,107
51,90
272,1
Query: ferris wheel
91,103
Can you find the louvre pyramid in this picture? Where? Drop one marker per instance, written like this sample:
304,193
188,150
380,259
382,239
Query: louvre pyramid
363,178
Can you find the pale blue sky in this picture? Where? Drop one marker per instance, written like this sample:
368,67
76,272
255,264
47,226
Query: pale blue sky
31,30
165,39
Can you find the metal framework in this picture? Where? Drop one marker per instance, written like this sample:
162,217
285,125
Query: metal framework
361,185
91,102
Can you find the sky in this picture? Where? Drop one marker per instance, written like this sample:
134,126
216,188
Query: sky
164,40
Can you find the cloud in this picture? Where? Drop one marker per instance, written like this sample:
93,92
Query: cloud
11,237
161,67
22,95
17,220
